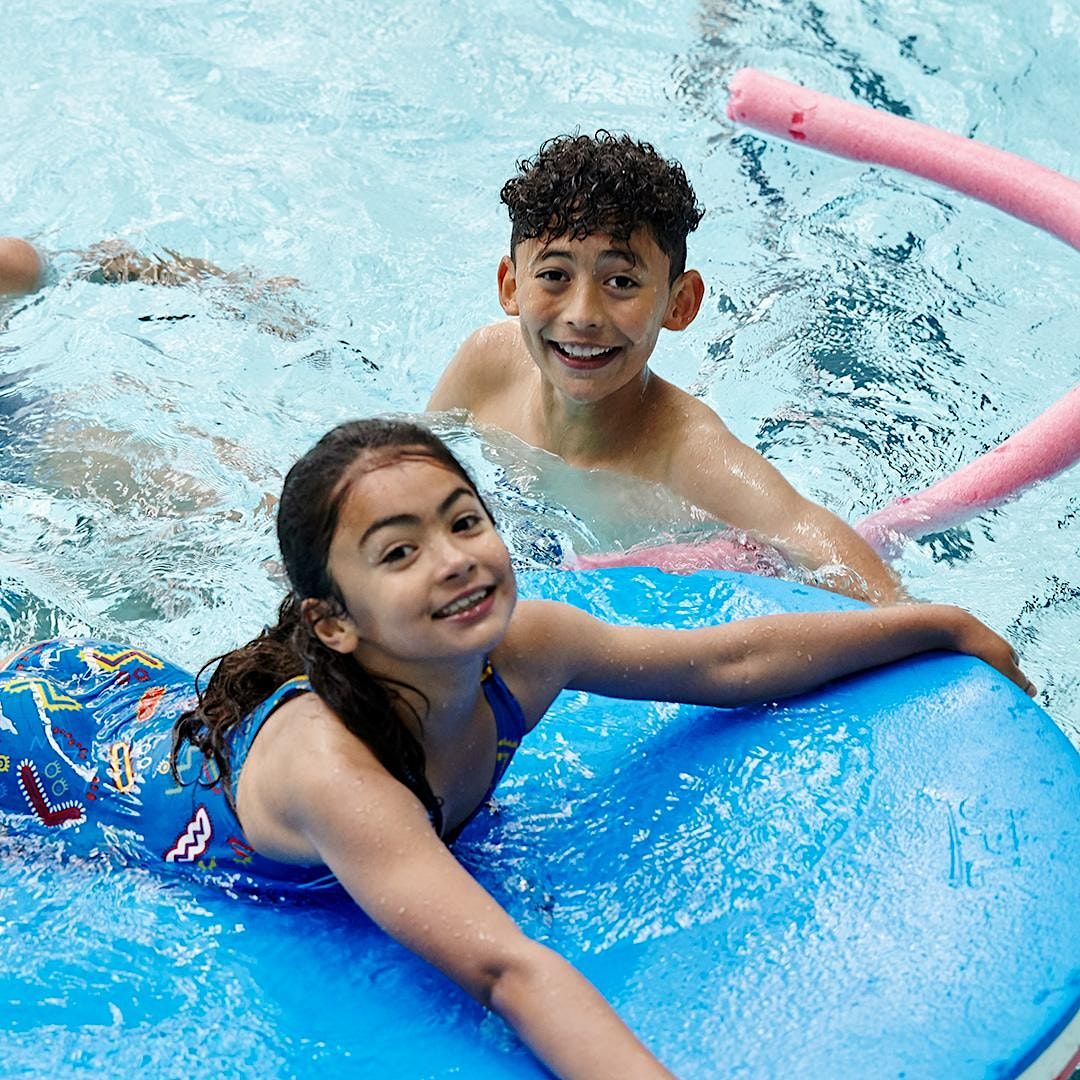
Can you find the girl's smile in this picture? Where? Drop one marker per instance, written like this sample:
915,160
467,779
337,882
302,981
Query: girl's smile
473,605
421,570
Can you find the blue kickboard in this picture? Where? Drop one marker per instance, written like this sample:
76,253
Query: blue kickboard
880,879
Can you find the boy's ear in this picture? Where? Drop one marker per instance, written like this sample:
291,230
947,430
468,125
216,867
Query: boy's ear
686,296
335,630
508,286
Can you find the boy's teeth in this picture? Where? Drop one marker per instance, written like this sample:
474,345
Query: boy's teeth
585,352
463,604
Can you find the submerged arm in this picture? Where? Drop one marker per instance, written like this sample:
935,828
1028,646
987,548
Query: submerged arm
734,482
375,837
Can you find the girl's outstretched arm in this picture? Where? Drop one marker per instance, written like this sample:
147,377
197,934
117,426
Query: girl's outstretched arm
756,659
374,835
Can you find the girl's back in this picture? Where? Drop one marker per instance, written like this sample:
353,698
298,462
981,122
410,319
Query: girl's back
86,728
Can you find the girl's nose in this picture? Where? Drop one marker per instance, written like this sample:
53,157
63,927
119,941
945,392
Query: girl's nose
455,558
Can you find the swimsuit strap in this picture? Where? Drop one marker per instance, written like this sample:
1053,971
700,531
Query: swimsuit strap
509,722
245,733
509,729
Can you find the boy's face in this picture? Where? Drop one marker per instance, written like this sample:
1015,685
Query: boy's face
591,310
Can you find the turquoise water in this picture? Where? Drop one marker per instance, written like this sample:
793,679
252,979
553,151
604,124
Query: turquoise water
867,331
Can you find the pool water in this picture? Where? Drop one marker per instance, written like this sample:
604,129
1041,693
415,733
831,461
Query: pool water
867,331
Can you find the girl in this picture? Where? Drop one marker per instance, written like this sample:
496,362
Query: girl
350,742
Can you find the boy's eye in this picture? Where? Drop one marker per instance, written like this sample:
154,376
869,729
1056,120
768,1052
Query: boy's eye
552,274
622,281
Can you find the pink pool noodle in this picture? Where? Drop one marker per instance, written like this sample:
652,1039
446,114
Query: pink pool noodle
1020,187
1050,443
1028,191
685,558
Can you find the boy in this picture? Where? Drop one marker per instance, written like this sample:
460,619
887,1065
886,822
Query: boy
596,269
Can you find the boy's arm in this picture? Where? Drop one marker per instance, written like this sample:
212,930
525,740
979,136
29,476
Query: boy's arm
723,476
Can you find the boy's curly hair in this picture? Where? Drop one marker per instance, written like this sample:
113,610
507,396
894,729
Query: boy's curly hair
578,185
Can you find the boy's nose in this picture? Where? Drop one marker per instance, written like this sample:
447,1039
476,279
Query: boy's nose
582,309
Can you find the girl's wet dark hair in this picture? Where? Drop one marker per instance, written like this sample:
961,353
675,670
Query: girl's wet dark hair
311,499
578,185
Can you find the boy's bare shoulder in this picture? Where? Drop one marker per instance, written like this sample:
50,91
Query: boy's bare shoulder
488,361
689,424
489,342
698,455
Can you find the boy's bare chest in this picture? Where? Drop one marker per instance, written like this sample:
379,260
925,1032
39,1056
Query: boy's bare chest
597,439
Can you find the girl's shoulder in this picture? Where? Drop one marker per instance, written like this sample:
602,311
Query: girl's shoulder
300,749
303,766
534,622
538,642
299,746
307,725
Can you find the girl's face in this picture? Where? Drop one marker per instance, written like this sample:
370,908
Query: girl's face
423,573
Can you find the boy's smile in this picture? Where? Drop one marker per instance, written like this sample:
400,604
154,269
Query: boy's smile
590,310
584,357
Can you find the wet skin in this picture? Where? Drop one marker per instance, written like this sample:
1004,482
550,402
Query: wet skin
590,310
425,578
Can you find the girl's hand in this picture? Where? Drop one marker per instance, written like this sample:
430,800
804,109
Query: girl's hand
977,639
763,658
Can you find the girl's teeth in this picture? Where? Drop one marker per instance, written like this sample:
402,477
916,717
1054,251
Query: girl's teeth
463,604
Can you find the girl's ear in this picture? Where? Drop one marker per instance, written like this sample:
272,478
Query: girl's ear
332,627
508,286
686,296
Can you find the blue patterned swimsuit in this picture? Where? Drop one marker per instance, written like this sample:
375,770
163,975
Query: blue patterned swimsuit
86,732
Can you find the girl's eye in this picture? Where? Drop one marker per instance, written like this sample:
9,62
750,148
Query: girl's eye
467,522
397,553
